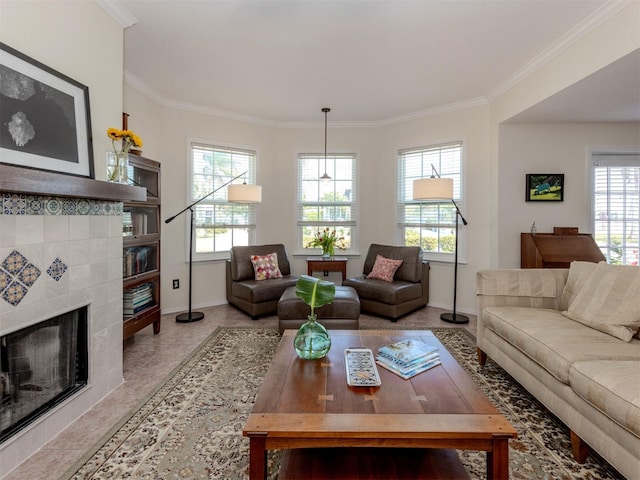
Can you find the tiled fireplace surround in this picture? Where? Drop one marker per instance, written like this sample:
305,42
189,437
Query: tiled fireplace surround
52,233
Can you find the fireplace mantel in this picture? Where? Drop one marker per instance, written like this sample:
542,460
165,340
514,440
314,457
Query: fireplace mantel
40,182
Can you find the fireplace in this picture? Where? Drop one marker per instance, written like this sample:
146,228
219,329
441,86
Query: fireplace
40,366
60,251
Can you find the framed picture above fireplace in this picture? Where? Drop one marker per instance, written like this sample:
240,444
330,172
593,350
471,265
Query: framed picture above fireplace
45,118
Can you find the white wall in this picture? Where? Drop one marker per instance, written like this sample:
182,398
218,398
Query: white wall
376,149
80,40
612,39
549,149
494,216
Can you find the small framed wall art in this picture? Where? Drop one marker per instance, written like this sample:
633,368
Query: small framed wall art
545,187
45,117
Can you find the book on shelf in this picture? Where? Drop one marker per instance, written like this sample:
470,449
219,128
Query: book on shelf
136,299
137,260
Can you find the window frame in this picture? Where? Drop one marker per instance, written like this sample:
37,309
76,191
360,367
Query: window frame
614,158
219,199
405,196
331,158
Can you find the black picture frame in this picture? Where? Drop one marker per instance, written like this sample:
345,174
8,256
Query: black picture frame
544,187
45,117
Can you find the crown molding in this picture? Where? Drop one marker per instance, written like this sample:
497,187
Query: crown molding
118,11
596,19
157,97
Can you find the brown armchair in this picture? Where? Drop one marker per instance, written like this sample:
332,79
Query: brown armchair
256,297
408,291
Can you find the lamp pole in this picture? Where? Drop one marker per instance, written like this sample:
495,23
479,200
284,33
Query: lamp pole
191,316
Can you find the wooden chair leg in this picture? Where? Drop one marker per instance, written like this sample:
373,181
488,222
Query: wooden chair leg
482,357
579,447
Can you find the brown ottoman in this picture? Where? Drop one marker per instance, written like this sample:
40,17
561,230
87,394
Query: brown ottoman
343,313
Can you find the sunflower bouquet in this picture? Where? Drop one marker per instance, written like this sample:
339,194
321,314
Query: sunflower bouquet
128,138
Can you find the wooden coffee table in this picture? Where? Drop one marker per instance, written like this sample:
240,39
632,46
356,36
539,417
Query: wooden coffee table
308,404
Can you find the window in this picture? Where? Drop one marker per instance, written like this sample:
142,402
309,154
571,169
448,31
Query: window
219,225
616,205
327,203
430,225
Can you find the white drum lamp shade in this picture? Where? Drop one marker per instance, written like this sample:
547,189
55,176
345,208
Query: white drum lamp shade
433,189
244,193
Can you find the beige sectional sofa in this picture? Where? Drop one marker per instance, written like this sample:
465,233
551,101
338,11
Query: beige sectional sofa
570,337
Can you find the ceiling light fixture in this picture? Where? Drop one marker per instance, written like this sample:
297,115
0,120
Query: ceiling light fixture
325,176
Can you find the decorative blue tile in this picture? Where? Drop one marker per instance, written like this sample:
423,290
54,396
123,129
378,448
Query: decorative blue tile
69,206
34,205
29,274
16,276
5,278
14,293
14,204
57,269
83,207
53,206
14,262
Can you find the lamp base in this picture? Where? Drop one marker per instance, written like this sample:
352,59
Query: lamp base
454,318
189,317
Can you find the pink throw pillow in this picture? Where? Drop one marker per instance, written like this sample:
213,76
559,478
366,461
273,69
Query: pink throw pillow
266,266
384,268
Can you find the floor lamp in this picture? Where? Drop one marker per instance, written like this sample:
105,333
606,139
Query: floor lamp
438,188
240,193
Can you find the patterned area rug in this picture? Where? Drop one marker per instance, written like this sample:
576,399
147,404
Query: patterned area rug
191,426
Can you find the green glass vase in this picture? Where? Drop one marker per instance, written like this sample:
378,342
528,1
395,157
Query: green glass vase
312,340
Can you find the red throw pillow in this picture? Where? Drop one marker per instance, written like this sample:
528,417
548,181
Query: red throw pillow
384,268
266,266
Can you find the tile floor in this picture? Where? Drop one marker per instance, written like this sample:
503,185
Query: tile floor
148,359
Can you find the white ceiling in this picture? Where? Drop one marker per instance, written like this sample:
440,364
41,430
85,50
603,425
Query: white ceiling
371,61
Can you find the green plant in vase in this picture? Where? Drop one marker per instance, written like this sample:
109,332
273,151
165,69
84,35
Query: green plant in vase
312,340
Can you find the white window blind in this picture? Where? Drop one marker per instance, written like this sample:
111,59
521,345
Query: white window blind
430,225
327,203
219,225
616,206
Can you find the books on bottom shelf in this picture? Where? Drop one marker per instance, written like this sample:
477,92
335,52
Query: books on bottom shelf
408,358
134,300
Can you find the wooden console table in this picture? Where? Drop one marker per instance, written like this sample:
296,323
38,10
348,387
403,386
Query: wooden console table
333,264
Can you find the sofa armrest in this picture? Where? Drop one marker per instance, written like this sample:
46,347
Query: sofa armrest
533,287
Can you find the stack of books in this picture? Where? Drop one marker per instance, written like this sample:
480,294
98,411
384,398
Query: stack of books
408,358
137,299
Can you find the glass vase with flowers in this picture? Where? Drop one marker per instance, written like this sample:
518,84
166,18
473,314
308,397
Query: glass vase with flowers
328,240
117,161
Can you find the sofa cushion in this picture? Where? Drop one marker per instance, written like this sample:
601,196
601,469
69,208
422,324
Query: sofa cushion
255,291
265,267
240,260
554,341
384,268
579,273
391,293
411,268
613,387
345,305
609,301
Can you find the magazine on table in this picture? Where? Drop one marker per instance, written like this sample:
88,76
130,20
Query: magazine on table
407,373
407,352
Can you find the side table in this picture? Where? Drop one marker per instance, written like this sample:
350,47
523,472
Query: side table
332,264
